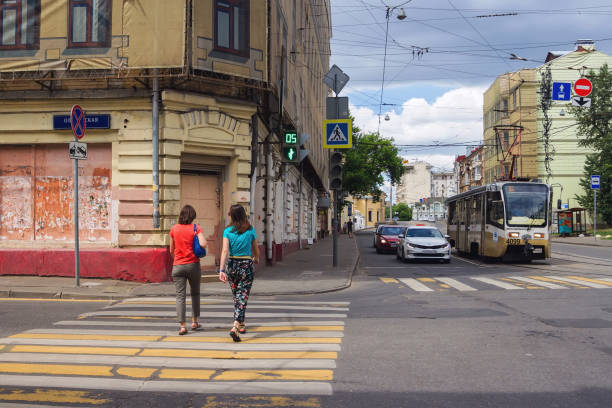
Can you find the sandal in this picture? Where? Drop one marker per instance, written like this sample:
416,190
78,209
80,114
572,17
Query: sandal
241,328
182,331
196,326
234,334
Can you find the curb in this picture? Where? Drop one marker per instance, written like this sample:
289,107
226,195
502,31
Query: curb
582,244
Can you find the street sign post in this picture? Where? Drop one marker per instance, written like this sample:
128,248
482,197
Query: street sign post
77,123
338,134
595,184
583,87
561,91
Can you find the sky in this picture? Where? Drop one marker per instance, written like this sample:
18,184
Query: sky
442,56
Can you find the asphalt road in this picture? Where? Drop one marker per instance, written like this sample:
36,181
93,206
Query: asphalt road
466,334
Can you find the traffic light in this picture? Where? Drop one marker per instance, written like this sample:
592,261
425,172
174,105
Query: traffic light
290,147
335,171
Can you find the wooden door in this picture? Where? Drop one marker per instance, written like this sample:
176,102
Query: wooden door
203,193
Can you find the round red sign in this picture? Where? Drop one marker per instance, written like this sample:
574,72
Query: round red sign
77,121
583,87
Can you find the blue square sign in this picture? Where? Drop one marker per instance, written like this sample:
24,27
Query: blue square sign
561,91
338,134
595,182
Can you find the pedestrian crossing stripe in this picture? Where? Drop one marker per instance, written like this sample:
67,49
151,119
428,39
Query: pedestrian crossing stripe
505,282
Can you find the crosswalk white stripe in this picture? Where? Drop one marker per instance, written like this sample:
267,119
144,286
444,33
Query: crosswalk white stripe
538,282
245,346
580,282
198,387
229,306
456,284
415,285
123,323
171,362
229,300
201,333
606,279
497,283
225,315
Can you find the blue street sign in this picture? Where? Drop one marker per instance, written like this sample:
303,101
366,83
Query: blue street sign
595,182
338,134
62,122
561,91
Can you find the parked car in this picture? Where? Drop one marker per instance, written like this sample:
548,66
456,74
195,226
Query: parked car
386,238
423,242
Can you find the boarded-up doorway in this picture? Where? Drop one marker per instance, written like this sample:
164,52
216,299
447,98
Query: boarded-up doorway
203,192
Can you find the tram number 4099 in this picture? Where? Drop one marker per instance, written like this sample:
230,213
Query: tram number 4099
514,241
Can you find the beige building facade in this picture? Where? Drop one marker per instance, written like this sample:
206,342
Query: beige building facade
415,183
182,102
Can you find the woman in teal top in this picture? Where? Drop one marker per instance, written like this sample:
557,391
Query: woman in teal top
239,252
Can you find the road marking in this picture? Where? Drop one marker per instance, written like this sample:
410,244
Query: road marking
230,306
56,300
545,279
389,280
197,387
251,340
198,334
522,284
204,315
51,396
174,362
321,325
262,402
535,282
580,282
427,280
415,285
598,281
68,336
115,351
135,372
56,369
283,375
497,283
465,260
209,300
456,284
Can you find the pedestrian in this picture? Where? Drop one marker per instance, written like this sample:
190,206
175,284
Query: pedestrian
349,228
239,252
186,266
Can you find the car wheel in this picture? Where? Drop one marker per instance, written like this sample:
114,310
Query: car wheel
397,254
404,259
447,261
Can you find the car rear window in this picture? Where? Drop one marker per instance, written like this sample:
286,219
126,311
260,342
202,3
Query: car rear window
391,230
424,233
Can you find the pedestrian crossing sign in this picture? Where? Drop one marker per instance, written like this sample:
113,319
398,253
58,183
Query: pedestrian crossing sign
338,134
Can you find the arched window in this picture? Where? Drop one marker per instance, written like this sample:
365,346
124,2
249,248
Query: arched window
19,24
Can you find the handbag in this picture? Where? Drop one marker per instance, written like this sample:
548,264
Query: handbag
197,249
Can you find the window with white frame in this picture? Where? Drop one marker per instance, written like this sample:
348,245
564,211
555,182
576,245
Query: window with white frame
19,24
89,24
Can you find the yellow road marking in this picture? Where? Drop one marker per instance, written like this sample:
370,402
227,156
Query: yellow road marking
591,280
186,374
240,355
260,340
57,300
389,280
59,369
276,375
2,347
68,336
112,351
294,328
444,285
522,284
261,402
542,278
54,396
426,279
136,372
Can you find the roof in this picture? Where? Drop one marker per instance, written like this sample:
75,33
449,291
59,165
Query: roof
555,54
422,226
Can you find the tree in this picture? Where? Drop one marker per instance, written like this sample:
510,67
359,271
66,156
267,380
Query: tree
371,158
595,132
401,210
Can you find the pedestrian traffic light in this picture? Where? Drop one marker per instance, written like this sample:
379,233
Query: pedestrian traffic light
335,171
290,147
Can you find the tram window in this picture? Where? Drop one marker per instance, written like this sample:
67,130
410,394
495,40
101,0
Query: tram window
451,212
495,209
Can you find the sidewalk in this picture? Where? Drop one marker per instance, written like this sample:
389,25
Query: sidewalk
591,241
306,271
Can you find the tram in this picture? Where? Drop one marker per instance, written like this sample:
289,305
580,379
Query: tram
509,220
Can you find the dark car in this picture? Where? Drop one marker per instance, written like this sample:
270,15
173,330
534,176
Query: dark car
387,237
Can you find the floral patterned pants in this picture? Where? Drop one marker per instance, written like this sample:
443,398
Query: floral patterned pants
240,277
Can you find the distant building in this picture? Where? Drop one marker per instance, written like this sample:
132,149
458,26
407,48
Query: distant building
415,183
469,169
364,210
443,184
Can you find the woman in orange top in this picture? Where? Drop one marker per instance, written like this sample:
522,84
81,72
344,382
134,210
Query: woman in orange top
186,266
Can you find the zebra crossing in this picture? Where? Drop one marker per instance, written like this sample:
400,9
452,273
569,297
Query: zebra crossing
476,283
290,348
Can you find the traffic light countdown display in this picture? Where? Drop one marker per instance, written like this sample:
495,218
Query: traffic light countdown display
291,147
335,171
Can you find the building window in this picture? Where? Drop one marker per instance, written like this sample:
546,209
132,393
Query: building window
232,26
19,24
90,23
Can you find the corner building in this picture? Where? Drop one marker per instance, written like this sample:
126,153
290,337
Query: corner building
185,102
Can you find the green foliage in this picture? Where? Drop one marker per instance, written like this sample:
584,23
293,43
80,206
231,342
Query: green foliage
401,211
595,132
371,158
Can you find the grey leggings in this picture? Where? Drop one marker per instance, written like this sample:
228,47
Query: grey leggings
181,274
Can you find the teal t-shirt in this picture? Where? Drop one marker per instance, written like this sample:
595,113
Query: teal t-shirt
240,244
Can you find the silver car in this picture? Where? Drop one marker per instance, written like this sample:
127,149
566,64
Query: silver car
423,242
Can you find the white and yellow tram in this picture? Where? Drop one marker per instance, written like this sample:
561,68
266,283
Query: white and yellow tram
509,220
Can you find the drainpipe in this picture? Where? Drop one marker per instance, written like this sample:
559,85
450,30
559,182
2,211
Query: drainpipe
285,178
155,138
300,207
254,165
269,210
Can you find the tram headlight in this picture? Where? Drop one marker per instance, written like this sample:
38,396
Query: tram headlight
538,235
513,235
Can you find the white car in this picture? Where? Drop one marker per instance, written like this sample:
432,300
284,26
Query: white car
423,242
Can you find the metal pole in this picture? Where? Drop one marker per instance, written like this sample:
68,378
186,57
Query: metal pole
76,220
595,214
335,231
155,141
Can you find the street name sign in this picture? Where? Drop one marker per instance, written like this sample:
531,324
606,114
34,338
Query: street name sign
583,87
78,150
338,134
95,121
595,182
561,91
581,102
